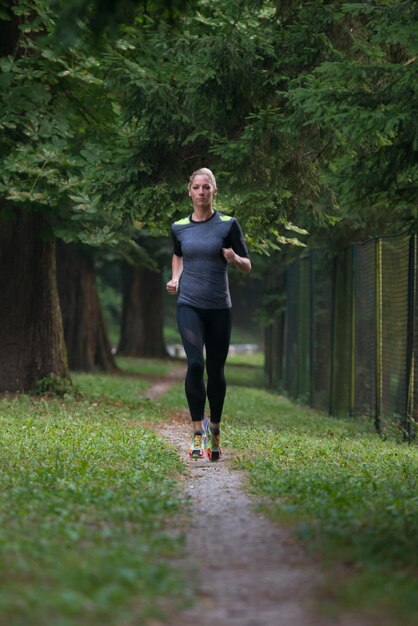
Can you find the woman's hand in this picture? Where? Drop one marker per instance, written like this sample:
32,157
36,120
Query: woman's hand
229,254
172,287
243,264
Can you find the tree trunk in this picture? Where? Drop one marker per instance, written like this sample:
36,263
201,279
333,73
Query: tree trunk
142,313
31,334
85,332
9,31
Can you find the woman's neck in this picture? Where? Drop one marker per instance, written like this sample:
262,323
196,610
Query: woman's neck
202,214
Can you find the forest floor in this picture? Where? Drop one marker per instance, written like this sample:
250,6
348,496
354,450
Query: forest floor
241,568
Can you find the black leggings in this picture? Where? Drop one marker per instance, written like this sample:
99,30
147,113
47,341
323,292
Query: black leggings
210,328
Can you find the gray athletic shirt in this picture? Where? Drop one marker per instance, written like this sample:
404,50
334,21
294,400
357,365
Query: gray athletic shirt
204,282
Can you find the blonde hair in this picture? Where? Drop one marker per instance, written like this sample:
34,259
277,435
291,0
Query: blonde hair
203,171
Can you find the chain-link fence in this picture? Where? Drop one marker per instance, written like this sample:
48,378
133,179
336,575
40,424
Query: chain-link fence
346,339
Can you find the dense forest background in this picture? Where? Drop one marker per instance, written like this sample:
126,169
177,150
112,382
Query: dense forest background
306,111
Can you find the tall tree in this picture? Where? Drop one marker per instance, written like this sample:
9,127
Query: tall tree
142,312
364,106
31,334
142,323
52,111
85,332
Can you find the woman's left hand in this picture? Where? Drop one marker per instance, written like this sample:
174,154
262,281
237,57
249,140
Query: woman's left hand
229,254
243,264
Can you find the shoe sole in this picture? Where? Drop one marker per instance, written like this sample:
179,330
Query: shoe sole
196,454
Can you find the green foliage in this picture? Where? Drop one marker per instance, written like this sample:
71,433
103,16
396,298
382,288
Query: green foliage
54,385
54,122
364,104
306,111
100,17
186,96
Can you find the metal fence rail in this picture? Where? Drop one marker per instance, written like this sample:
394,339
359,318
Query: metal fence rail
346,337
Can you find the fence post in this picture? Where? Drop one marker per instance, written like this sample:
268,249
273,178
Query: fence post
411,374
311,325
353,329
268,368
333,358
378,339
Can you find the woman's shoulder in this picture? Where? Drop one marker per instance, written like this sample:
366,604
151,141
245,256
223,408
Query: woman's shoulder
225,218
182,221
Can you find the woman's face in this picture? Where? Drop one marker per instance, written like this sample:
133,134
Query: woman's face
201,192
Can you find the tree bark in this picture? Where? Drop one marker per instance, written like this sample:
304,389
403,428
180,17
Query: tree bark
31,334
9,31
85,332
142,313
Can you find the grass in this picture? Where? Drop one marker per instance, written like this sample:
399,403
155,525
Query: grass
86,495
351,495
244,375
253,359
144,367
116,389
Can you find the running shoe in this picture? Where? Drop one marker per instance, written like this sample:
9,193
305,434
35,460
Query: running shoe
213,449
196,450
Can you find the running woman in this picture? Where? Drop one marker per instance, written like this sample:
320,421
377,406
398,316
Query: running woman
204,244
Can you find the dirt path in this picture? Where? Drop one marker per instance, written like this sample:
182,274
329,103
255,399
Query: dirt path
244,570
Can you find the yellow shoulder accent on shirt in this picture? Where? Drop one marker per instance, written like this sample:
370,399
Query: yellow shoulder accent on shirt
225,218
185,220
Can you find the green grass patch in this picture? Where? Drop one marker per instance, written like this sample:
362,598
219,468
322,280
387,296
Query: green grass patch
86,497
253,359
122,390
244,335
245,375
349,493
174,399
144,367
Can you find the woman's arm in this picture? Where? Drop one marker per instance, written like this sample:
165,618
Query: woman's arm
176,271
242,263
